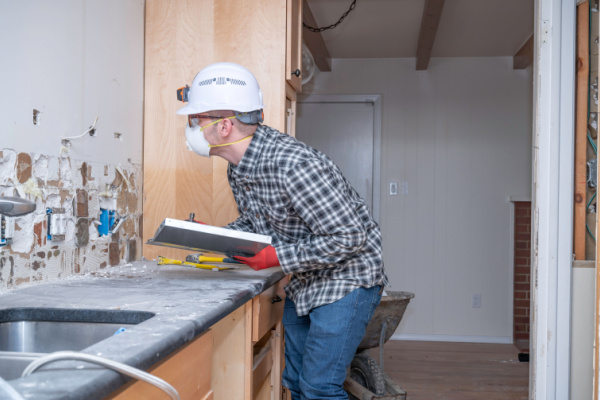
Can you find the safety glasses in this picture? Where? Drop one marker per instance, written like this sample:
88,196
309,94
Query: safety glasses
194,119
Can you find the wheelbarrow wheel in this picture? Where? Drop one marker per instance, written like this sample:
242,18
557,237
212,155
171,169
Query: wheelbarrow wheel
366,371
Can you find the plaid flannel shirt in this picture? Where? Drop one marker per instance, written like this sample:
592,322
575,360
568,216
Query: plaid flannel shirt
321,229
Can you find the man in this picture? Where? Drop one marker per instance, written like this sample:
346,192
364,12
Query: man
323,236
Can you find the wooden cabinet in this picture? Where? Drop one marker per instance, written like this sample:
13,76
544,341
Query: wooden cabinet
290,110
248,350
182,37
293,61
188,370
240,357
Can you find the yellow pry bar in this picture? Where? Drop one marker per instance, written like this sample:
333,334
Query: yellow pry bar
166,261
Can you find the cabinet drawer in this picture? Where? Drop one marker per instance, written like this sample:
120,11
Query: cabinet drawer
267,309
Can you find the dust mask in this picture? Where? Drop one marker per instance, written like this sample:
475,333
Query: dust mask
196,141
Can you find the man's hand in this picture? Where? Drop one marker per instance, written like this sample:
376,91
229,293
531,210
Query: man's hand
266,258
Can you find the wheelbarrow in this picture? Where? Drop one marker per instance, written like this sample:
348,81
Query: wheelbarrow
366,380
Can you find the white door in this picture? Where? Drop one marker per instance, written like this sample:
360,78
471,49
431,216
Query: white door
344,131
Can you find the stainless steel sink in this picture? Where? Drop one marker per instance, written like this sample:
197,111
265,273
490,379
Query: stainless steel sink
49,336
28,333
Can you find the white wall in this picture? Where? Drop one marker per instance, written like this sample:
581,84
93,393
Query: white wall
73,60
457,137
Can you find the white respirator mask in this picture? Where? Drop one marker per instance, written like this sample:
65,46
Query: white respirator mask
196,141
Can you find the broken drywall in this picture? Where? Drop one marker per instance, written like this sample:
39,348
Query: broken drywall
80,189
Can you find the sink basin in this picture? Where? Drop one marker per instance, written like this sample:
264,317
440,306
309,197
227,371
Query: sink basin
28,333
48,336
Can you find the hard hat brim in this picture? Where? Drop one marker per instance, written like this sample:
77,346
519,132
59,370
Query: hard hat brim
189,109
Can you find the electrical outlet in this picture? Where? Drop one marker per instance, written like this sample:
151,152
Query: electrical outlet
57,224
476,300
107,220
7,230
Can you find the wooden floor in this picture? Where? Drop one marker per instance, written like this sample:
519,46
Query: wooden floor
456,371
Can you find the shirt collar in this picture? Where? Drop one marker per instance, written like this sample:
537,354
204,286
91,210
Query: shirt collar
248,162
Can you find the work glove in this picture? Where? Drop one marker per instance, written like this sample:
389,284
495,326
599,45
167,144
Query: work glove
266,258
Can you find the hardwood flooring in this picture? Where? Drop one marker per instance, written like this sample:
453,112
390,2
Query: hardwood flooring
456,371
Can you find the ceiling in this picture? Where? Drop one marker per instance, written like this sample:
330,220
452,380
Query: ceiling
390,28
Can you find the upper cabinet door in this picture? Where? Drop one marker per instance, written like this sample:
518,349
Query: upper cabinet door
293,63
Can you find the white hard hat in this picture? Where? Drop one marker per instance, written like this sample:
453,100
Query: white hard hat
222,86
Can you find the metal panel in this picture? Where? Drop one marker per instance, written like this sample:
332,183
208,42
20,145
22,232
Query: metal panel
197,237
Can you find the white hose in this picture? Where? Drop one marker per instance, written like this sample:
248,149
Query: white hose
117,366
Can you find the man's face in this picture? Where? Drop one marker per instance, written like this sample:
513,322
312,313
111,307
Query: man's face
204,122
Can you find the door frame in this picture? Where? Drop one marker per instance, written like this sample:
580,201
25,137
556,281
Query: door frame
375,99
552,202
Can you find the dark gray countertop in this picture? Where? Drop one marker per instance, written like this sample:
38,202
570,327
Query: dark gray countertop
186,302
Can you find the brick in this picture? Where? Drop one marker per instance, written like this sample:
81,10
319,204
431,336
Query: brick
38,230
114,254
522,320
522,286
132,250
521,245
523,229
522,253
520,312
524,237
522,270
82,204
522,303
521,295
520,221
522,261
84,172
521,327
82,232
23,167
521,336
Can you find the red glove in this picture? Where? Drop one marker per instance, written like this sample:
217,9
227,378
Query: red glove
266,258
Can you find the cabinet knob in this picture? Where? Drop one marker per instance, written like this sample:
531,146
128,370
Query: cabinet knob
296,72
276,299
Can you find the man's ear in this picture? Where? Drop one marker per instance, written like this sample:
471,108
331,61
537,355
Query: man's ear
226,128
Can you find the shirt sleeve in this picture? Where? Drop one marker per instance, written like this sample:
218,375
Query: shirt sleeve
319,195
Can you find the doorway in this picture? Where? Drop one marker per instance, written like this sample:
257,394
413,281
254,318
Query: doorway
347,128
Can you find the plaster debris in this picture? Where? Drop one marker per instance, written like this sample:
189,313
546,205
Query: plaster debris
7,166
62,182
37,117
65,173
32,189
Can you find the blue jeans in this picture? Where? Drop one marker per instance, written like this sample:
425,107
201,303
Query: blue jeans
320,346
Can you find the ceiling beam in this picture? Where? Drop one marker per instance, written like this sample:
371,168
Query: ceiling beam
432,13
314,41
524,57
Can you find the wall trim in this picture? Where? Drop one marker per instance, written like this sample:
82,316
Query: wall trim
452,338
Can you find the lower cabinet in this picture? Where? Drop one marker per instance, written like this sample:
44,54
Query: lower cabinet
240,357
248,349
187,371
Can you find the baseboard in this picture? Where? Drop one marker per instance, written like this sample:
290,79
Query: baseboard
452,338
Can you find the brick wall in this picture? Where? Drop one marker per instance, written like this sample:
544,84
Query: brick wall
522,263
80,188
